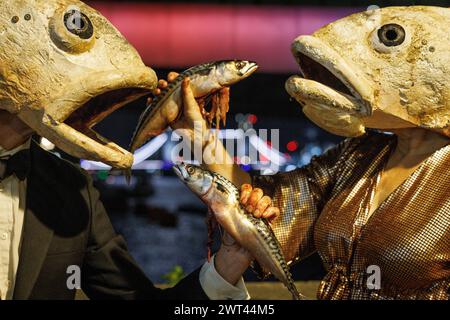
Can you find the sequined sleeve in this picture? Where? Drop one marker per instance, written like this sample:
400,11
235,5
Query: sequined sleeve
300,195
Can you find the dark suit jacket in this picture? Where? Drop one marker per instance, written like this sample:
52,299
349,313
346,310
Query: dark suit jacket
66,224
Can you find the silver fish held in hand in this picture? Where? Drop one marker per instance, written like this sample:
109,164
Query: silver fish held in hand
253,234
206,80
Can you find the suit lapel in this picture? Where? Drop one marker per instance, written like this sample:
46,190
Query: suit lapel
43,203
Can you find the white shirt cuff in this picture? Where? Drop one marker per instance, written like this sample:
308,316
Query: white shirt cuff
217,288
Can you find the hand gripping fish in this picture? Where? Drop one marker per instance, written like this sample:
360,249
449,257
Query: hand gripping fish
207,80
253,234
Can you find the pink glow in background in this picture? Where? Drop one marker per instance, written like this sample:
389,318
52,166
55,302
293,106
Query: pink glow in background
181,35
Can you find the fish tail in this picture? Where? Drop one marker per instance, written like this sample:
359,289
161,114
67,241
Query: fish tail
296,295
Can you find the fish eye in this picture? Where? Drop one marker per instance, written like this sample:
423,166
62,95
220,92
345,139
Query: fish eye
391,35
190,170
79,24
71,30
240,65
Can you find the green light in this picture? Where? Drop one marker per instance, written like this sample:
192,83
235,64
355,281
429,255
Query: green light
102,175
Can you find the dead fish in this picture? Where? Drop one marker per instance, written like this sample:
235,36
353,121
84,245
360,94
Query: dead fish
384,69
206,79
254,234
64,68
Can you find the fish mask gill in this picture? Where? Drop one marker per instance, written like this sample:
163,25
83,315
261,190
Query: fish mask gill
384,69
63,69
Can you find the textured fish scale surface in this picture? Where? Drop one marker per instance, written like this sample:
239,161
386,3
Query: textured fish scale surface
166,92
263,228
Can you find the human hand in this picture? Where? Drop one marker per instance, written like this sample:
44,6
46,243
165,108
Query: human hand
232,260
193,112
256,203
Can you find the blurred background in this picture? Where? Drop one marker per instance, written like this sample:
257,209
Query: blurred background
163,223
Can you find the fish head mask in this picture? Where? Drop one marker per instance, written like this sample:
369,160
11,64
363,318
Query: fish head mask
64,68
385,69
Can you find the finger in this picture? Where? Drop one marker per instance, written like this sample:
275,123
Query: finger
255,196
162,83
172,76
246,189
271,213
262,205
156,91
188,96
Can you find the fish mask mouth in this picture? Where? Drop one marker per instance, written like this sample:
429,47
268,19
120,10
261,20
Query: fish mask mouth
334,95
68,119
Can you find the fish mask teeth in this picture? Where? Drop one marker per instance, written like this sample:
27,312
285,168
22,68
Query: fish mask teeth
383,69
75,71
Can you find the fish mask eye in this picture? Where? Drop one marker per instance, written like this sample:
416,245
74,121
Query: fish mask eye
389,38
71,30
391,35
79,24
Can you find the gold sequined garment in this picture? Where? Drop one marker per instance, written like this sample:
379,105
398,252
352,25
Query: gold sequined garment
324,208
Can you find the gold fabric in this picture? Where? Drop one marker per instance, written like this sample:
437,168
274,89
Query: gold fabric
324,208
